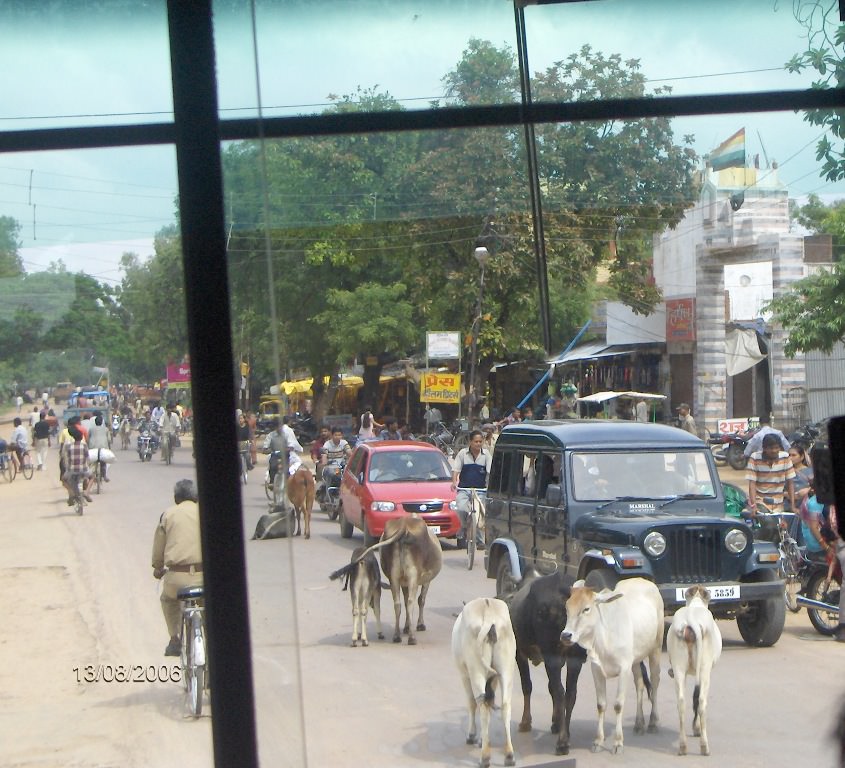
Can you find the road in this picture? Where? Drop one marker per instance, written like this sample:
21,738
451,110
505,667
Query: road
77,591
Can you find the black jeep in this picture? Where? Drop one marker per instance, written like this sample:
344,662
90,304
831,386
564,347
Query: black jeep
606,500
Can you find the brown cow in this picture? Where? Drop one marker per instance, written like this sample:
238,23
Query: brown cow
301,488
410,558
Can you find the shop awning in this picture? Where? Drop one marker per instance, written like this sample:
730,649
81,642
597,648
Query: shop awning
591,352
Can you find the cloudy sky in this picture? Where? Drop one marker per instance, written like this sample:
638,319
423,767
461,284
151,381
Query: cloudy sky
107,62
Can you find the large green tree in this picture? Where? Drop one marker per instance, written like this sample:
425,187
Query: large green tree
10,260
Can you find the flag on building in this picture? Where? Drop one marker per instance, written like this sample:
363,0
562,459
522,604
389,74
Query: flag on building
730,153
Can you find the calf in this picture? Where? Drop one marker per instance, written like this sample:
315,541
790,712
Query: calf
363,578
538,614
484,649
300,488
410,558
694,644
619,629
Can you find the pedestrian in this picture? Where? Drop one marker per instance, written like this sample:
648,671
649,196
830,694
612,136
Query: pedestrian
642,411
33,417
685,420
756,441
803,472
177,557
41,439
45,399
433,417
391,431
368,424
19,403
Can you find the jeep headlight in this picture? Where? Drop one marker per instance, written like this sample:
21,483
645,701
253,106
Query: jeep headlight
655,544
382,506
735,541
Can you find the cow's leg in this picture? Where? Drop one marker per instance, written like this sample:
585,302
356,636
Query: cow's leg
570,693
421,604
298,521
472,706
601,705
525,680
375,602
356,613
364,603
639,687
307,514
397,608
680,680
654,679
486,709
702,710
410,609
553,666
407,628
506,679
618,707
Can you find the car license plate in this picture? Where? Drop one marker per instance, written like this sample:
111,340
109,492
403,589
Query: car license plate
435,529
723,592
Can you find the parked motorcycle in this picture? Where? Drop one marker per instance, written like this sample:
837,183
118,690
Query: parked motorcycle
729,448
304,428
805,436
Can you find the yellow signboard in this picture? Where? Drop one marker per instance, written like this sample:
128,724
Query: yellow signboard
441,388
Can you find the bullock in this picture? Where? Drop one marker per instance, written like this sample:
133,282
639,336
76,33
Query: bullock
538,615
619,629
410,558
484,650
694,644
363,579
300,489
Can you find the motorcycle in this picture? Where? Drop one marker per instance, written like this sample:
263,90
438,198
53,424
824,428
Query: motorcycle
329,495
304,428
148,440
115,426
729,448
805,436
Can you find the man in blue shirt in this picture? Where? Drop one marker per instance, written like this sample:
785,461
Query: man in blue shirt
471,470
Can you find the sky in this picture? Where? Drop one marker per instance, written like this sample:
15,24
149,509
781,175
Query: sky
95,67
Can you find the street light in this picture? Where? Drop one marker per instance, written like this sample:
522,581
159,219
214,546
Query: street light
482,256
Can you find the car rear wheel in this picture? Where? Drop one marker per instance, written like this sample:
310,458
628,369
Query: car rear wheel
346,528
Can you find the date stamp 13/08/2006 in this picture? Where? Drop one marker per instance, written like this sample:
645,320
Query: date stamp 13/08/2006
128,673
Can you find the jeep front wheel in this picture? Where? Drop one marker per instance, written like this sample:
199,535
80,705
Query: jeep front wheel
762,626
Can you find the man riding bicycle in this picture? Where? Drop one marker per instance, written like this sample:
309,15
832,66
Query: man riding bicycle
169,425
471,470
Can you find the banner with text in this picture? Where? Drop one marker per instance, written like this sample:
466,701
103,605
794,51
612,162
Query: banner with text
179,376
441,388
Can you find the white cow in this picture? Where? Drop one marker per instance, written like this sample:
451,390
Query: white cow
484,649
619,629
694,644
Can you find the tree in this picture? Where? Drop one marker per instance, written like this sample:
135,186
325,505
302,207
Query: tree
813,309
10,260
825,41
371,322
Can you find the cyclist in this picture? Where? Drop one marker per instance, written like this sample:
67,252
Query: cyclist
177,557
768,471
75,462
276,444
169,425
471,470
19,442
99,436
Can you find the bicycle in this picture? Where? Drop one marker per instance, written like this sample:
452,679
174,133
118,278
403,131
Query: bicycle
166,448
243,448
27,468
193,655
475,521
8,470
791,560
78,499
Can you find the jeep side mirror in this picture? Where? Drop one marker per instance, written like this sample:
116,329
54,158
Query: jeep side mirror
554,495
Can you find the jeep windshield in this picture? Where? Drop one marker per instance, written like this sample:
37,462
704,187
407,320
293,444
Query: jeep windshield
615,475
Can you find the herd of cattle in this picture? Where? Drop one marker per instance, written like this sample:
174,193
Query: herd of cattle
550,619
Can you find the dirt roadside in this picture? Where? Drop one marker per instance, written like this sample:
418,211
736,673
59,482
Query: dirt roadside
58,630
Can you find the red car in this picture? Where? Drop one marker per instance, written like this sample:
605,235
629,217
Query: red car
385,479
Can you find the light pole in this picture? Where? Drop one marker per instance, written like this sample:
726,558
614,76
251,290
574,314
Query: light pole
482,256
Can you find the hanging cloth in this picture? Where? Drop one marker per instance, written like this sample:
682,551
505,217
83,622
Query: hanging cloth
742,350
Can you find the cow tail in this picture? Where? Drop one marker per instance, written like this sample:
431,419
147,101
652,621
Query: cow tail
488,637
646,678
693,639
341,572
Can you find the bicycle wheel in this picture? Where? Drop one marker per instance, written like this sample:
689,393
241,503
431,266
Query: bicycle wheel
244,468
268,490
166,450
792,583
471,533
27,469
196,674
278,489
98,477
9,469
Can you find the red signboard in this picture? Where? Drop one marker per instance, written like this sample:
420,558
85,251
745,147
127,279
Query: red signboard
179,373
680,319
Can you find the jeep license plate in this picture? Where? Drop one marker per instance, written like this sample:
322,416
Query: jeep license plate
724,592
435,529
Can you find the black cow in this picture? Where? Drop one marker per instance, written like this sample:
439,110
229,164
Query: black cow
538,615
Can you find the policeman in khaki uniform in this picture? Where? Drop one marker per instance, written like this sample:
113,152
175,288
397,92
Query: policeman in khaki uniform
177,557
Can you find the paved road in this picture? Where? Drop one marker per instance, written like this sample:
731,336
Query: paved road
78,591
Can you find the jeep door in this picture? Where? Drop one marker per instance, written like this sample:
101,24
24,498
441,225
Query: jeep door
523,504
550,517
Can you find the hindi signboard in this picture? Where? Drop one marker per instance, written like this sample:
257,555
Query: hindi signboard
441,388
179,376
